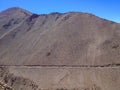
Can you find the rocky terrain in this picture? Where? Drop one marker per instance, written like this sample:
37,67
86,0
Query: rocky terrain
58,51
10,82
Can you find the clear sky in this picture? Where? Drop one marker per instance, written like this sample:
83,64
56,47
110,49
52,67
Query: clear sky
109,9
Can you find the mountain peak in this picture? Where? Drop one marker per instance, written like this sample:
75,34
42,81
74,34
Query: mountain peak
13,10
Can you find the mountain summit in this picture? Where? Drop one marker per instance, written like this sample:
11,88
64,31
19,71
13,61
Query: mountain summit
15,10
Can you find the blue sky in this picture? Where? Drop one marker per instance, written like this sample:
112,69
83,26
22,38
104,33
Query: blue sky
109,9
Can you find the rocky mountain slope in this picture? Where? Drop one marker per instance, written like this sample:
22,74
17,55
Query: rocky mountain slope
10,82
57,39
62,50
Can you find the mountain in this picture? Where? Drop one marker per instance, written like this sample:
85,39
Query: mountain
57,39
38,43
